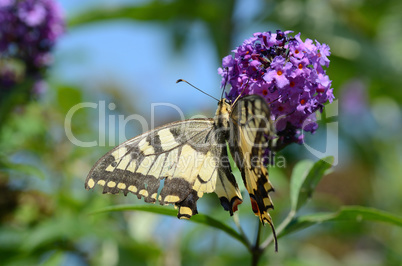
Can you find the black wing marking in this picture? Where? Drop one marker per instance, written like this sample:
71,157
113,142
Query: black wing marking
183,155
251,129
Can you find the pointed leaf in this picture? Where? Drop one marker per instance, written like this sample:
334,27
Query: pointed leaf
305,178
346,213
299,174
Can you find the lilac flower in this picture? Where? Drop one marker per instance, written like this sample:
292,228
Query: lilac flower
288,73
278,70
28,32
32,14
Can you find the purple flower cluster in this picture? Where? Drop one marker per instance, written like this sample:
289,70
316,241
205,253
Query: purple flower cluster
288,73
28,32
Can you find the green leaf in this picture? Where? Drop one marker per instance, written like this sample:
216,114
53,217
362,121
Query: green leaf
67,97
346,213
299,174
199,218
141,13
156,11
305,178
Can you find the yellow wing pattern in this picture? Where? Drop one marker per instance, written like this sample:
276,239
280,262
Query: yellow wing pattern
251,129
179,162
174,164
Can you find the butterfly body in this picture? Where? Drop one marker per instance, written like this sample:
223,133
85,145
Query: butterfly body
179,162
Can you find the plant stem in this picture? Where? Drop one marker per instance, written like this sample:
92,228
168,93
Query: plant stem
258,236
256,255
256,250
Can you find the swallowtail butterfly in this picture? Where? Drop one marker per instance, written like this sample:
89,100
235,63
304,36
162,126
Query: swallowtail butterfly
177,163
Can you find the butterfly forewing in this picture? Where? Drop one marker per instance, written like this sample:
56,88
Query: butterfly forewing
184,156
190,158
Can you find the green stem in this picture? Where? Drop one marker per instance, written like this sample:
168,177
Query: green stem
256,250
258,236
256,256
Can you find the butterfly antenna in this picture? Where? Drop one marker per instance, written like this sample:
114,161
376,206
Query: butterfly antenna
182,80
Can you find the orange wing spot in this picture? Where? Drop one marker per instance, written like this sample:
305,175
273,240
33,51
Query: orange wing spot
235,204
254,206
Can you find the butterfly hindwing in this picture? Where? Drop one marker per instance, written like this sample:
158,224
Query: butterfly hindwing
179,162
251,131
175,164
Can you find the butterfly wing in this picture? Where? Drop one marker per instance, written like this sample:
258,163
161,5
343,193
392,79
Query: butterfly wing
175,164
251,129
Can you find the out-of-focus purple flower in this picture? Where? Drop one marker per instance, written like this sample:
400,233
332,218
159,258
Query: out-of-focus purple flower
354,98
40,87
28,32
5,3
288,73
8,77
32,14
29,29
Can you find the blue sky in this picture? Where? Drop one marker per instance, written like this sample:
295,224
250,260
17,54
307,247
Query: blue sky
139,57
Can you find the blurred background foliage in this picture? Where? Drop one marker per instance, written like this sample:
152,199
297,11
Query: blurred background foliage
130,53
